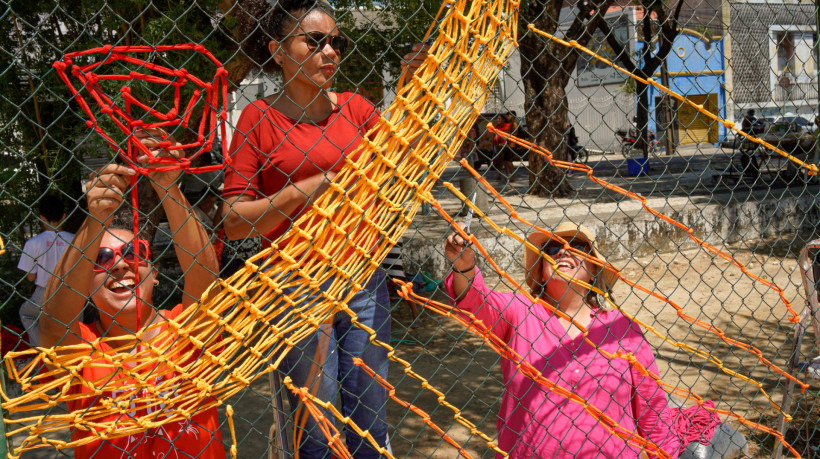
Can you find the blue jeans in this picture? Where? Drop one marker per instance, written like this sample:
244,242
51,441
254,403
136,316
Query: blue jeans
363,399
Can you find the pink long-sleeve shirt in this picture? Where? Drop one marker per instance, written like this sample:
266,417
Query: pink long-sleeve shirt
536,422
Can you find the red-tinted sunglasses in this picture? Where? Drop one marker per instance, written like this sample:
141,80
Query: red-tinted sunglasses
107,255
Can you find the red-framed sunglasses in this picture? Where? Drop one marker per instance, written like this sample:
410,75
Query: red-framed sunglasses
108,255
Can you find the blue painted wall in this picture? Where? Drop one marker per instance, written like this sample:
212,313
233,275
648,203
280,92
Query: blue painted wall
691,54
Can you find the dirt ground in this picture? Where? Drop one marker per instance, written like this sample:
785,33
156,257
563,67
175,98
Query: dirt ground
711,290
458,365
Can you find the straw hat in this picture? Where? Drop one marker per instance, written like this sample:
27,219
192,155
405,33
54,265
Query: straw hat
567,231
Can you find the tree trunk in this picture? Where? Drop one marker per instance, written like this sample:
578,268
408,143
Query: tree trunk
545,77
546,68
668,113
546,179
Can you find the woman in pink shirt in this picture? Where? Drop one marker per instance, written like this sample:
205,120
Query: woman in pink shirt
533,420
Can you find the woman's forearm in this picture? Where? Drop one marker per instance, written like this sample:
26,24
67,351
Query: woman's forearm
257,217
68,289
244,219
462,281
192,244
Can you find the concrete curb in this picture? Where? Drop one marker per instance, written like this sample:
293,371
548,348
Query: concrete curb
624,230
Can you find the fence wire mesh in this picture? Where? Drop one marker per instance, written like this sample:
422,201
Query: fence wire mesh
293,170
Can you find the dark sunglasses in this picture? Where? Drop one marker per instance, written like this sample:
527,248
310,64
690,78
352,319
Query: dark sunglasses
107,255
553,248
318,40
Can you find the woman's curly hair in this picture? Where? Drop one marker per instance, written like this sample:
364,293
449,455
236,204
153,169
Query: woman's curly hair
260,21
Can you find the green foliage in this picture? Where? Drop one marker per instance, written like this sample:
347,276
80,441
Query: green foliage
628,87
380,34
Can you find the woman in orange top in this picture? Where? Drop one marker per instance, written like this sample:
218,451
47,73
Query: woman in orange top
106,263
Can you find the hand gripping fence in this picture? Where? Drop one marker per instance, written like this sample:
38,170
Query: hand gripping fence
470,48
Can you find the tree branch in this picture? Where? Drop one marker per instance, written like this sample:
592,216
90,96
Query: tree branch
578,25
621,55
594,15
595,21
666,37
646,52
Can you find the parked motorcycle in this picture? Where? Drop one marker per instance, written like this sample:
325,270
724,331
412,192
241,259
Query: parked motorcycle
577,154
627,142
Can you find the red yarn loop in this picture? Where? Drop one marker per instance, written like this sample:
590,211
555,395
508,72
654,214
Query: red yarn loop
209,91
695,423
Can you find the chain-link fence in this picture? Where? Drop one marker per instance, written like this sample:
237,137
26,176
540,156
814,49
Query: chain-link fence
635,275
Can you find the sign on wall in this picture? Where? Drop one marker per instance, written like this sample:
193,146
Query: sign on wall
593,72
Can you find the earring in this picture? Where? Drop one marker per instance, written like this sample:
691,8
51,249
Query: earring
156,281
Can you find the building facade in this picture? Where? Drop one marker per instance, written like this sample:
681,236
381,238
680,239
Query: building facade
695,69
771,58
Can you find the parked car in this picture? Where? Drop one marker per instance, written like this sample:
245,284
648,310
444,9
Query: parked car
788,136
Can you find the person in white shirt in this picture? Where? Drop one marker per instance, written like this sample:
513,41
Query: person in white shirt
40,255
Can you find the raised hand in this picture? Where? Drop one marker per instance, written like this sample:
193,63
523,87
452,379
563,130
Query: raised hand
106,188
459,251
156,140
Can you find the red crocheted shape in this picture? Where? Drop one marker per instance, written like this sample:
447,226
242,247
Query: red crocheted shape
213,92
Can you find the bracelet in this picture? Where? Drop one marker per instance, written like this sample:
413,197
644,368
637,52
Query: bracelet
465,271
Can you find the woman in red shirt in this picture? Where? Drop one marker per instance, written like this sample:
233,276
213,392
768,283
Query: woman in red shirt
108,264
286,149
